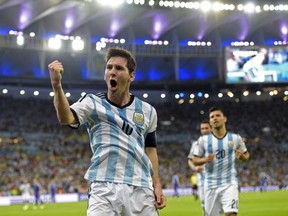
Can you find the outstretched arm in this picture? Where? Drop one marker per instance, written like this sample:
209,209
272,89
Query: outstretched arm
160,201
64,114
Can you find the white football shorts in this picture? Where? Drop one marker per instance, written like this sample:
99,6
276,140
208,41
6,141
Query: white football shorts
222,199
113,199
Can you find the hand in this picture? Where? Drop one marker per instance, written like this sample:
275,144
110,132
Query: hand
160,199
210,158
56,70
199,169
240,155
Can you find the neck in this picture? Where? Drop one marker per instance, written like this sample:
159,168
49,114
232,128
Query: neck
219,132
120,100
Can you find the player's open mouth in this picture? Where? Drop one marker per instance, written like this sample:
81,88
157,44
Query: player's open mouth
113,83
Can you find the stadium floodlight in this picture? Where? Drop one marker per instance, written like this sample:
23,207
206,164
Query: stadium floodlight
220,95
111,3
54,43
5,91
78,44
36,93
68,94
151,2
20,40
246,93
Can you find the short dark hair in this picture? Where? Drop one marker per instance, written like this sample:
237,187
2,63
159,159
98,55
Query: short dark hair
120,52
205,121
212,109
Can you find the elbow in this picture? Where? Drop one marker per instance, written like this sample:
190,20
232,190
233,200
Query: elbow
63,121
196,162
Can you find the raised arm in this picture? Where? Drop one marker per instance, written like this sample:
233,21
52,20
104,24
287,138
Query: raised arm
64,114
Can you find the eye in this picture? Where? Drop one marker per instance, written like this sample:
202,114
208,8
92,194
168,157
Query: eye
118,67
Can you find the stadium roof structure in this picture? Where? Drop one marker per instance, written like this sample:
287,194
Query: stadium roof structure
136,22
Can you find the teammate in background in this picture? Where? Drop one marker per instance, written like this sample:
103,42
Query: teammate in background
205,128
52,190
122,130
25,189
218,151
253,67
175,183
194,185
37,194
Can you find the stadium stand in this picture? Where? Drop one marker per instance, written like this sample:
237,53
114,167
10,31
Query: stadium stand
33,143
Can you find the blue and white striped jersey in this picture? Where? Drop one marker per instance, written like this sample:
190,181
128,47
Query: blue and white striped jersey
221,171
117,139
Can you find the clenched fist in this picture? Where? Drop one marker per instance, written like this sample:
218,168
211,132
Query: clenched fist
56,70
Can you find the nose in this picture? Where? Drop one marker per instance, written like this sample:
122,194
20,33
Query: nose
113,71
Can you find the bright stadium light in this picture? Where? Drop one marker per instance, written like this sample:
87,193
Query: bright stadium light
68,94
54,43
111,3
36,93
78,44
20,40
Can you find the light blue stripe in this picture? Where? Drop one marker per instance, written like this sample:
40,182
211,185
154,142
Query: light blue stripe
230,158
130,160
114,143
145,159
220,162
96,149
139,109
210,165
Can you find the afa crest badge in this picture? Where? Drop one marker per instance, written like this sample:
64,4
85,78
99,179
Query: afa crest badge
230,144
138,118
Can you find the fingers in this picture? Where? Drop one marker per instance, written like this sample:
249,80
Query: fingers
56,66
239,153
160,202
210,158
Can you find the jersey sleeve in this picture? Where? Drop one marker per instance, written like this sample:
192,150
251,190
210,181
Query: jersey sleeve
80,110
240,144
199,148
191,153
153,119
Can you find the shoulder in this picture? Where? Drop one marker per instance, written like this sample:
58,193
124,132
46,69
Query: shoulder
145,105
90,96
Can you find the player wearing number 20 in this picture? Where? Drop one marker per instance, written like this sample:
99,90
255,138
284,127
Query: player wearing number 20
218,151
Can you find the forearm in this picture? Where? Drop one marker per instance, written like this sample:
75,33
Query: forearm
152,154
197,161
61,104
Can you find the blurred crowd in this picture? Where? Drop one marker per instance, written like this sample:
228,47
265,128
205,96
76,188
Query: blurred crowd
34,145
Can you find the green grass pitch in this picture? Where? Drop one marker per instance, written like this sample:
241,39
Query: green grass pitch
273,203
